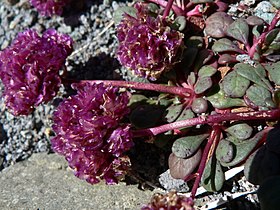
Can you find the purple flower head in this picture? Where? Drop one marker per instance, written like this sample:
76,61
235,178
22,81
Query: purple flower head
170,200
147,45
90,135
29,68
49,7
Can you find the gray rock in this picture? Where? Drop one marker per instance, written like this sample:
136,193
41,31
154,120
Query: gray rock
45,182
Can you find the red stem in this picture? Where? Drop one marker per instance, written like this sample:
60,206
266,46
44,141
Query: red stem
207,154
167,9
177,10
180,91
211,119
261,38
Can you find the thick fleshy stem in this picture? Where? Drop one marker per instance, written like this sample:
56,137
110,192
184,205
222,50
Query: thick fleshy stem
180,91
177,10
261,38
207,154
210,119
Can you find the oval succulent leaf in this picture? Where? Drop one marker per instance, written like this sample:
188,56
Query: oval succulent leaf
213,176
225,151
173,112
220,101
217,24
182,167
224,45
186,146
273,70
241,130
239,30
269,38
244,149
258,96
207,71
185,114
235,85
118,15
275,3
253,164
199,105
202,84
255,74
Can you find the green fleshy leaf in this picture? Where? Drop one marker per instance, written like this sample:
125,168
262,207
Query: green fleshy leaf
254,20
235,85
173,112
118,15
202,57
191,79
224,45
259,96
182,167
275,3
185,114
225,151
145,116
244,149
274,73
239,30
261,165
180,23
217,23
213,176
226,59
241,131
202,84
255,74
137,99
206,71
271,36
220,101
185,147
195,42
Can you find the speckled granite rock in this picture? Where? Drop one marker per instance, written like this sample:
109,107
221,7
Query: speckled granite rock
45,182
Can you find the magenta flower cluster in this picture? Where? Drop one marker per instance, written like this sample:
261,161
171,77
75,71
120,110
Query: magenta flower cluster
49,7
29,69
90,135
147,45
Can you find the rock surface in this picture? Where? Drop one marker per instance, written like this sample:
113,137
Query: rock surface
44,181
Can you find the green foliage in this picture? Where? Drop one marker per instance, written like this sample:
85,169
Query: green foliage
235,85
213,177
182,167
239,30
260,96
221,101
241,131
185,147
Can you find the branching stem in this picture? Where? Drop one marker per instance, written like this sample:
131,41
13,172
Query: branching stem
207,154
211,119
180,91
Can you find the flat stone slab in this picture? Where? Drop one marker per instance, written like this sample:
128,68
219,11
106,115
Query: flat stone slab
44,181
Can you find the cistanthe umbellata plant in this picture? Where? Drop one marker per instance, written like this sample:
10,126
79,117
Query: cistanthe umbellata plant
215,94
